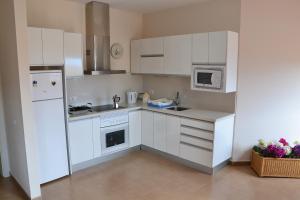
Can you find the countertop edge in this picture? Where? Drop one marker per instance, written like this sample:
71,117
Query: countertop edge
164,111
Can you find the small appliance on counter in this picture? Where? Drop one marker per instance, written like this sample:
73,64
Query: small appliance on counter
80,110
132,97
116,99
146,97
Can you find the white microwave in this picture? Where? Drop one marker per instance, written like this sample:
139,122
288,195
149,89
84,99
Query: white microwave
210,77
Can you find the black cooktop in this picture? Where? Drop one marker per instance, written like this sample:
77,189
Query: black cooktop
79,108
83,110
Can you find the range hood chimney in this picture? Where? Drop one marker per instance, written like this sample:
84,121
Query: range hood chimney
98,40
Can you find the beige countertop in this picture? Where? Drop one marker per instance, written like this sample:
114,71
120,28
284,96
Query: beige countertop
197,114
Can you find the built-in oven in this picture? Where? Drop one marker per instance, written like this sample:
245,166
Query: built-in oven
206,76
114,132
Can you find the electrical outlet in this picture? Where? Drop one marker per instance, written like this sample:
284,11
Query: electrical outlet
73,99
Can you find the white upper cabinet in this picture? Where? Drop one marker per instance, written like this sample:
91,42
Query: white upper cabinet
177,55
152,47
135,56
200,48
151,61
73,54
218,47
152,65
53,46
45,46
35,46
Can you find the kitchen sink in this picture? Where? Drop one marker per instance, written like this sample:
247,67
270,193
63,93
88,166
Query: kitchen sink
178,108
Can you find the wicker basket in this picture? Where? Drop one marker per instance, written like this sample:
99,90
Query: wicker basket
275,167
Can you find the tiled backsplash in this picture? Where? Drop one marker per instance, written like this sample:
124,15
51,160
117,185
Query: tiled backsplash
99,90
167,86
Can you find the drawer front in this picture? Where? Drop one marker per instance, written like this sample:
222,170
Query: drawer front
198,124
152,65
195,154
208,135
206,144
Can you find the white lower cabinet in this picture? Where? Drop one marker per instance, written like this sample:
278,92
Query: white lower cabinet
196,141
202,142
172,134
81,140
97,137
147,128
196,154
159,131
135,128
206,143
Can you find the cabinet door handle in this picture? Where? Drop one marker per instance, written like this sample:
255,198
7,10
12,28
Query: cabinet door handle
152,55
196,128
191,145
196,137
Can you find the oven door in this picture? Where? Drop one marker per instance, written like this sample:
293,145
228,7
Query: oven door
208,78
114,138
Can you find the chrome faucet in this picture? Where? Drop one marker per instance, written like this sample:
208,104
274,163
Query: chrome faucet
177,99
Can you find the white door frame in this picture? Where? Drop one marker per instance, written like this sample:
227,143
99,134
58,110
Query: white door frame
4,156
3,140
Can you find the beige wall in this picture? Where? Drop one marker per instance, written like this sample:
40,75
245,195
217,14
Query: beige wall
214,15
21,136
203,17
124,26
61,14
268,81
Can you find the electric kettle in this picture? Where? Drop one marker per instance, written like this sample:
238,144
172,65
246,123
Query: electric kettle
132,97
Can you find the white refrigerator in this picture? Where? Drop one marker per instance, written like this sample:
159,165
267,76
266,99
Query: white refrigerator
48,106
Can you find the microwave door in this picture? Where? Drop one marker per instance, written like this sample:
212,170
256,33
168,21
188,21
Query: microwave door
217,79
203,78
208,78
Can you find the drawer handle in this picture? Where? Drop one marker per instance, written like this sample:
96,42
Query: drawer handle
199,138
152,55
194,128
202,148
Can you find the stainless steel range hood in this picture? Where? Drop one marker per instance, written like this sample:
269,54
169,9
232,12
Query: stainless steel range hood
98,40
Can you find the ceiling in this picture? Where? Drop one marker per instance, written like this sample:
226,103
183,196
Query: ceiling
146,6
